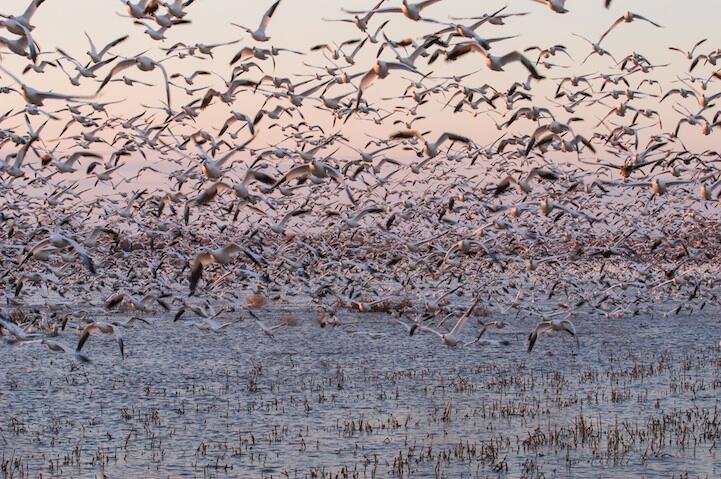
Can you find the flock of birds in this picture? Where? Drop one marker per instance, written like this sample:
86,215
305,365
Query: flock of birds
318,215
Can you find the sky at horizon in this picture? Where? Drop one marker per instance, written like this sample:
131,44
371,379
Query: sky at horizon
300,25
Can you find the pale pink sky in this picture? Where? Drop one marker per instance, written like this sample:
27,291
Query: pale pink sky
298,24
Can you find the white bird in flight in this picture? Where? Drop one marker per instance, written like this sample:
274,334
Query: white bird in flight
97,56
145,64
222,255
37,97
104,328
260,35
409,10
558,6
552,326
627,17
451,338
19,25
431,149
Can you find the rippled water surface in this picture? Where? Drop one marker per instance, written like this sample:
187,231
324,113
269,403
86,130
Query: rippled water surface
640,399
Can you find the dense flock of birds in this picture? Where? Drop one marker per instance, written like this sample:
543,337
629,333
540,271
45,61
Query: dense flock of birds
615,221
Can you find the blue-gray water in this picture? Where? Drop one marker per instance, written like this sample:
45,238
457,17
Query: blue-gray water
640,399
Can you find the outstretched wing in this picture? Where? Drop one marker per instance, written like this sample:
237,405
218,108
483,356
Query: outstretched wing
120,66
467,314
30,11
534,334
268,15
196,271
110,45
519,57
619,21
